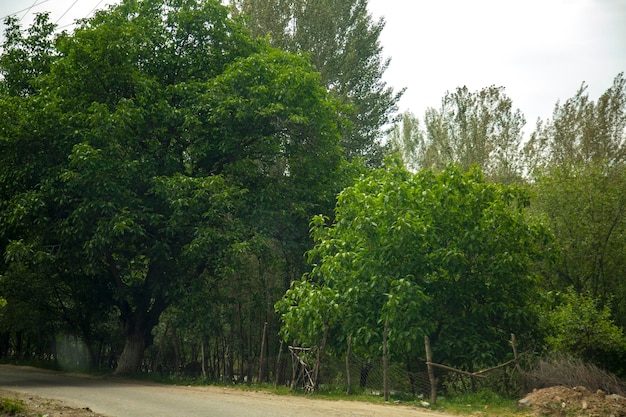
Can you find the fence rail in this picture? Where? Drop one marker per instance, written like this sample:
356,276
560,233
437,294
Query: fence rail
477,374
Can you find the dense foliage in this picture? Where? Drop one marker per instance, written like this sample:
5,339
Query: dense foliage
574,166
447,254
342,41
479,128
580,328
164,173
142,150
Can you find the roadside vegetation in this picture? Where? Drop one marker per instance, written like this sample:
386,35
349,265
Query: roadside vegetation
11,406
200,192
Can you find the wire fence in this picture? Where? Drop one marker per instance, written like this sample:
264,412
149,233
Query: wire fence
304,369
295,368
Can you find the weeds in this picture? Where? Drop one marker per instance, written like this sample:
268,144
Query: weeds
11,406
484,402
571,372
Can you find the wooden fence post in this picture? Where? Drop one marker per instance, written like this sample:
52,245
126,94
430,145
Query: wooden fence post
262,355
294,368
515,356
348,379
385,362
318,363
279,368
431,372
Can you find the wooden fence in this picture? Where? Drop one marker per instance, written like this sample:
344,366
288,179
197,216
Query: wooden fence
478,374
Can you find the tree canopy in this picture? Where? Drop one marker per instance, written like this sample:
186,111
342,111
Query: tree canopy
406,141
342,40
444,254
481,128
576,161
578,326
147,143
163,171
581,131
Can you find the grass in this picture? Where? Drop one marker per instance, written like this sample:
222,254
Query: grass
11,406
484,403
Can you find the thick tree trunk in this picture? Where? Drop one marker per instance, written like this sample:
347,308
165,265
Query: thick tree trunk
5,340
132,355
92,357
138,330
138,316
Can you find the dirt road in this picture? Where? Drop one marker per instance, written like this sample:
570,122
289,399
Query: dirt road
122,398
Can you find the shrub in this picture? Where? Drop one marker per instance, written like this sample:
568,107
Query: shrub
579,327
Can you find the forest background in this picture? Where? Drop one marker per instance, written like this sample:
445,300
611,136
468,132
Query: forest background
188,183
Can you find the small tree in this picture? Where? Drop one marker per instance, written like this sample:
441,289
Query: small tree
445,254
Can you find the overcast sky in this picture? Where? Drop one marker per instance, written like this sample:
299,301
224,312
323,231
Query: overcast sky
539,50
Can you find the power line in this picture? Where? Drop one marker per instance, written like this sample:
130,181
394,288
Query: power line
64,13
25,9
39,2
26,12
94,8
88,14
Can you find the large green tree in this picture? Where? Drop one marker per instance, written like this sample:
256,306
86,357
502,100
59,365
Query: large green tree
585,206
444,254
343,42
160,134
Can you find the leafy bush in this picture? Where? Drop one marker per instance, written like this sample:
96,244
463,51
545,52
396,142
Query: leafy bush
579,327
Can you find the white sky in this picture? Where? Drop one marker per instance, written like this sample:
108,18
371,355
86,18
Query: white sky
539,50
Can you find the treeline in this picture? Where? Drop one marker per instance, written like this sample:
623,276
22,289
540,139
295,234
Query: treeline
483,236
184,185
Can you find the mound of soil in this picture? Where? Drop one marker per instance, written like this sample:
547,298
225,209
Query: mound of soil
574,402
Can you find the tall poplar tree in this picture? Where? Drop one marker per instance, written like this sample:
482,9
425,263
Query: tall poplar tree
475,128
406,140
582,131
342,41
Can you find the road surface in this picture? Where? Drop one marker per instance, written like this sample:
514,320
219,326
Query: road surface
122,398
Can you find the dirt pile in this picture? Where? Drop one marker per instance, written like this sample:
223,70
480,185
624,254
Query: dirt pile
574,402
